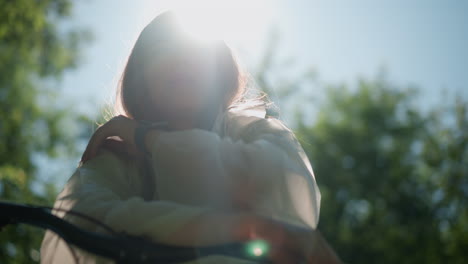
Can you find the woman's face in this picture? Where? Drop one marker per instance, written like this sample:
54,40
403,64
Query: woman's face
181,79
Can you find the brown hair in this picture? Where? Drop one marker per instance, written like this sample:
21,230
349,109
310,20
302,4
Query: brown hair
132,100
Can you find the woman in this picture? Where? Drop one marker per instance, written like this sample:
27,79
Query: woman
204,168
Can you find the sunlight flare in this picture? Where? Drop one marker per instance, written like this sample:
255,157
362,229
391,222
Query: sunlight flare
240,21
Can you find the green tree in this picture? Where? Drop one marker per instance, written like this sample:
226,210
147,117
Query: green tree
34,53
393,178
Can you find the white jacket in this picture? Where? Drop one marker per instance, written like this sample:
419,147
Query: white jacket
196,170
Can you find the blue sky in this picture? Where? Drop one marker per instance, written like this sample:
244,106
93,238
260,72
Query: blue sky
421,42
418,42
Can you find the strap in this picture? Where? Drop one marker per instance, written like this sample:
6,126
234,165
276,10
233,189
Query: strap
149,174
149,180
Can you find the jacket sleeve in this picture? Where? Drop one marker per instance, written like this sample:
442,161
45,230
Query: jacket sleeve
105,189
261,165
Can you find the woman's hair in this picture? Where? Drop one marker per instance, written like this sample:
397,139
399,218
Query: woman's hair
132,94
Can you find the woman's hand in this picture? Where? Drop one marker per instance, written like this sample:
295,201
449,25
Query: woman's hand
290,244
119,126
286,244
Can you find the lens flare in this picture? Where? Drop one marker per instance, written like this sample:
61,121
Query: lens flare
257,248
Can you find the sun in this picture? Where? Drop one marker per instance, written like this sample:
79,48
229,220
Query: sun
235,21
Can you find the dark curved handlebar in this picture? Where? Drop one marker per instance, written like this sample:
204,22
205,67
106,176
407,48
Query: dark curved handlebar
120,248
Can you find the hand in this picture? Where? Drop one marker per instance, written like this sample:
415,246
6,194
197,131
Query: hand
206,230
291,244
119,126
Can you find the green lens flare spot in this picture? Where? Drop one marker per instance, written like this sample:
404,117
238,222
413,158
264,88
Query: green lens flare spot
257,248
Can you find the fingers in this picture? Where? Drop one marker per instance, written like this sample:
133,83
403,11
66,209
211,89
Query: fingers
286,251
284,245
120,126
97,139
94,143
281,254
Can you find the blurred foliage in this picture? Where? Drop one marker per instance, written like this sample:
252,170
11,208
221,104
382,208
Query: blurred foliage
393,176
34,53
393,179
